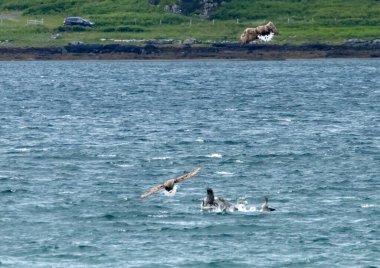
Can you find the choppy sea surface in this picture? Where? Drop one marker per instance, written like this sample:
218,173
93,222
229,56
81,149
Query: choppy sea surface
81,141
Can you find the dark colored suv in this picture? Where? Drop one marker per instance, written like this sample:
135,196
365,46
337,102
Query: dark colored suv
78,21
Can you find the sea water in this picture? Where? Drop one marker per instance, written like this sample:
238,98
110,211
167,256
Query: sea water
81,141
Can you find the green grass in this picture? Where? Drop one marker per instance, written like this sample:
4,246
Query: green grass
299,21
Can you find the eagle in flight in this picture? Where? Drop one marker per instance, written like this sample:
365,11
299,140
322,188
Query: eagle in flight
169,185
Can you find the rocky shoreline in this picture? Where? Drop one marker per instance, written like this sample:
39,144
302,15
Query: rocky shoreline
213,51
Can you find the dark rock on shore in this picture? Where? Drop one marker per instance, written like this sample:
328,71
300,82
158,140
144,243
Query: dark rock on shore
214,51
104,49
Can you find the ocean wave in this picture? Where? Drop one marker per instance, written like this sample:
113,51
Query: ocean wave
23,150
106,155
368,205
161,158
121,164
224,173
215,155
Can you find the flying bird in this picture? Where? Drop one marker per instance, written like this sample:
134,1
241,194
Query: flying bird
169,185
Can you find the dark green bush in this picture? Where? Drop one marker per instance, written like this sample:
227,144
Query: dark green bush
50,8
72,29
122,29
190,6
41,29
17,6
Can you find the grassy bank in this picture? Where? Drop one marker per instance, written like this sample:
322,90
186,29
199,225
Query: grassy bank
299,22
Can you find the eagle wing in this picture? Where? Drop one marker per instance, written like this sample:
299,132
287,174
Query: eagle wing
187,175
152,190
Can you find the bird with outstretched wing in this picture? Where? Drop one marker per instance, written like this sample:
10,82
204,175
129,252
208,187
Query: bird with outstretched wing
169,184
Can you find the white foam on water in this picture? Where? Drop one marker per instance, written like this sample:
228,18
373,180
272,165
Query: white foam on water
124,165
285,120
106,155
214,156
244,208
161,158
368,206
224,173
214,209
241,206
23,149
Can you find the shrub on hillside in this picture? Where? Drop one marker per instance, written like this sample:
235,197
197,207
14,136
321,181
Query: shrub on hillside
18,6
51,8
122,29
72,29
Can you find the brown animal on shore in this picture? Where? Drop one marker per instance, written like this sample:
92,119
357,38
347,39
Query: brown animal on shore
251,34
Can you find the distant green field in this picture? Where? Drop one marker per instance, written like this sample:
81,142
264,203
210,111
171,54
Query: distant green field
299,21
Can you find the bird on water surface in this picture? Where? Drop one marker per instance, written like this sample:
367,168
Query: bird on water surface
265,206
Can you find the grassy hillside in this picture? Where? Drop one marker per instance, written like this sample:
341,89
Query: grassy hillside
299,21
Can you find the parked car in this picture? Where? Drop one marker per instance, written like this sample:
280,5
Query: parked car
78,21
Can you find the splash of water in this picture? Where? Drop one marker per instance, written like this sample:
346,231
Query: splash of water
266,38
240,206
245,208
172,192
